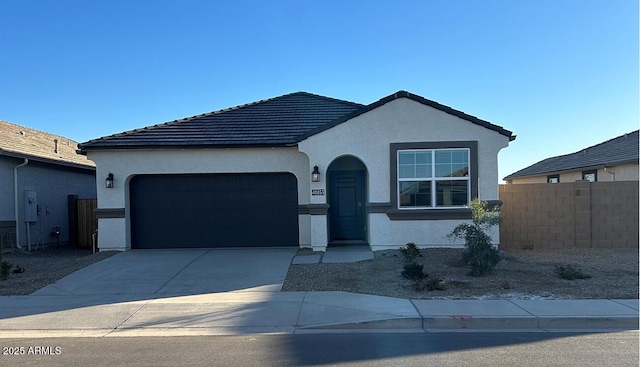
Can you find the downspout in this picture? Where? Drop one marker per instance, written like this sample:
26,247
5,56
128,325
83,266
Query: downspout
613,174
15,198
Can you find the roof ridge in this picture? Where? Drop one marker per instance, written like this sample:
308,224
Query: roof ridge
255,103
344,101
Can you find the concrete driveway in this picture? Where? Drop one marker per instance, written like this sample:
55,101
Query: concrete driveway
179,272
237,292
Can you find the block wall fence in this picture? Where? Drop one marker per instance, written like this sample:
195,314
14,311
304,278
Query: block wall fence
568,215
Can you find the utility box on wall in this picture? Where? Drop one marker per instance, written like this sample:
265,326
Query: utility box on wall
30,206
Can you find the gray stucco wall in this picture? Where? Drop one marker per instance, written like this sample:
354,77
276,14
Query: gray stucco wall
6,187
52,185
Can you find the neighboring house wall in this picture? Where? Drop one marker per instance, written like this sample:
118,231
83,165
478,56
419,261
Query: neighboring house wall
369,136
627,172
113,233
6,187
52,184
569,215
7,224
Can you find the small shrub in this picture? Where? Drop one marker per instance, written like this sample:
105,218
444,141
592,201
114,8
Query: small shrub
414,271
410,251
428,284
506,285
5,267
570,273
481,255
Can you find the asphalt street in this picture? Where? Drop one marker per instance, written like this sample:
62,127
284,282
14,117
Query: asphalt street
458,349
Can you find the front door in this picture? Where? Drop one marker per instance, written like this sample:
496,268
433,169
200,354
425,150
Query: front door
347,206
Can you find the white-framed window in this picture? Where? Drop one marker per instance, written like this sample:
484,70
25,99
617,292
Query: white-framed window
433,178
591,175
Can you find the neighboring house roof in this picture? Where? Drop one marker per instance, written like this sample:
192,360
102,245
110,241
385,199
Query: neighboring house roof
614,152
23,142
279,121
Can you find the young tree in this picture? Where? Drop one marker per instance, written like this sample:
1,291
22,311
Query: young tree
480,254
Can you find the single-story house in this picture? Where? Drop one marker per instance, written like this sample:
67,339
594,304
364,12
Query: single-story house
297,170
613,160
38,172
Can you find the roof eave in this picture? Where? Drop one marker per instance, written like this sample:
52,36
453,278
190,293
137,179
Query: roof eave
85,149
581,168
47,160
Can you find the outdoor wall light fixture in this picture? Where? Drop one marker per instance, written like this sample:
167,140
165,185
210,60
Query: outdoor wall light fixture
315,175
108,183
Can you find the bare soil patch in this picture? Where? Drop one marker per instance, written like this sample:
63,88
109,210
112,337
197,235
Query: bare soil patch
519,275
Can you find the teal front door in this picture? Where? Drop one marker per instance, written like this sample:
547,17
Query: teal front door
347,206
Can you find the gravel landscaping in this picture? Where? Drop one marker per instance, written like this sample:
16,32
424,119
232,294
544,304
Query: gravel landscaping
520,274
44,267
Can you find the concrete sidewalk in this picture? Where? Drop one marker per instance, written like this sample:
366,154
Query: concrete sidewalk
233,313
211,292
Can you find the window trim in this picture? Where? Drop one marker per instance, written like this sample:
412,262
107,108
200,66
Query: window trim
595,175
551,177
433,212
434,179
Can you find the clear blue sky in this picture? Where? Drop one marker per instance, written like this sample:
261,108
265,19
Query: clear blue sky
561,74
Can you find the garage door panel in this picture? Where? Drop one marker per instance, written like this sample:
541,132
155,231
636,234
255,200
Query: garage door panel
214,210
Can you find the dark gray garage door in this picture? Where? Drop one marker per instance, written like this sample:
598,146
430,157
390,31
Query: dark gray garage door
214,210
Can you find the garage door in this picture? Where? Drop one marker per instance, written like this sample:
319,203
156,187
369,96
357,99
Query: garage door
214,210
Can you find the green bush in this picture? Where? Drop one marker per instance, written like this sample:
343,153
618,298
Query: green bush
570,273
480,254
410,251
5,267
414,271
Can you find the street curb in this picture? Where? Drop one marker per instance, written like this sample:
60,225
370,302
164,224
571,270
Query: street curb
414,323
594,322
487,323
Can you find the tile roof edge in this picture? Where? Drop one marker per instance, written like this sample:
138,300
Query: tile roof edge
416,98
188,146
611,164
14,154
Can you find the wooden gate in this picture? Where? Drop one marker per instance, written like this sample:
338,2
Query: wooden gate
87,222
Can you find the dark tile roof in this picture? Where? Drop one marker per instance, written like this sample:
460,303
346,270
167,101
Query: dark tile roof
272,122
279,121
620,150
23,142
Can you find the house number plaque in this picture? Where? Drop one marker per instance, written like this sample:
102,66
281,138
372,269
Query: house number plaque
317,192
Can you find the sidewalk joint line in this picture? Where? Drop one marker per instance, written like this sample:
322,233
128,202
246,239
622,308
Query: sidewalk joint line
510,301
300,310
130,316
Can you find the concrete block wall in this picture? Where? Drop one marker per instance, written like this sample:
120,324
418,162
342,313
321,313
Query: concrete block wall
614,214
569,215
